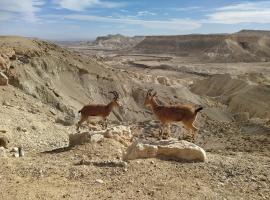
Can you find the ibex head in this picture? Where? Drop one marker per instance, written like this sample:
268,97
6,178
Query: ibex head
149,97
115,101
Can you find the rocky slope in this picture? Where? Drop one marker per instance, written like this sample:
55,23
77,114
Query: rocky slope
68,81
240,96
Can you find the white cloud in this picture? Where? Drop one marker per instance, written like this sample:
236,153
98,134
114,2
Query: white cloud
248,12
80,5
26,9
145,13
172,24
259,5
191,8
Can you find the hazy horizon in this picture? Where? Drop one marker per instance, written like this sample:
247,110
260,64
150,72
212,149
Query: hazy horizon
71,20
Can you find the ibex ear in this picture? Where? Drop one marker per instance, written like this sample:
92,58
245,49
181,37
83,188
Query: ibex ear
155,94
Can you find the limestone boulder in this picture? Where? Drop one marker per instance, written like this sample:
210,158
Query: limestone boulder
119,133
179,150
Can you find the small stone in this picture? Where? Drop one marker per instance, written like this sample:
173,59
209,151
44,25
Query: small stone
6,103
66,196
21,152
53,111
16,155
99,181
15,149
3,152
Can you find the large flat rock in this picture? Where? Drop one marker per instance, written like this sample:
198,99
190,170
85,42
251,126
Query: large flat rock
179,150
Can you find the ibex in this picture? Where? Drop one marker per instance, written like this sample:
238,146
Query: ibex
172,113
98,110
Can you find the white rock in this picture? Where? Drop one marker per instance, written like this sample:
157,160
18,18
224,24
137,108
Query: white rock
168,149
16,155
99,181
97,138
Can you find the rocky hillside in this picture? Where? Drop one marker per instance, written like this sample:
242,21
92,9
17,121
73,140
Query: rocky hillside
241,96
68,81
244,46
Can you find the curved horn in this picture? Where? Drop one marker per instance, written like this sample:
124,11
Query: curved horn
149,92
116,96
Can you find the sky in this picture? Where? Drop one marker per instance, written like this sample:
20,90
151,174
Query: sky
87,19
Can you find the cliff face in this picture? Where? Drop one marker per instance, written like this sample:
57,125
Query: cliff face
239,47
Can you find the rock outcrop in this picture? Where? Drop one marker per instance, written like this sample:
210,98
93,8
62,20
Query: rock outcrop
166,149
121,134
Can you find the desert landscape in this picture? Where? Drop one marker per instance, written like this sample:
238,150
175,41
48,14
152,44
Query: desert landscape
44,84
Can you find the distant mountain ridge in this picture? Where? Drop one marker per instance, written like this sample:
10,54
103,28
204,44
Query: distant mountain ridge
243,46
117,41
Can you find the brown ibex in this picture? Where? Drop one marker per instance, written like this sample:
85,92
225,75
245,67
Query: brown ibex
98,110
172,113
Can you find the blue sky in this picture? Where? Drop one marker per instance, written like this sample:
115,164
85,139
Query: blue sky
86,19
